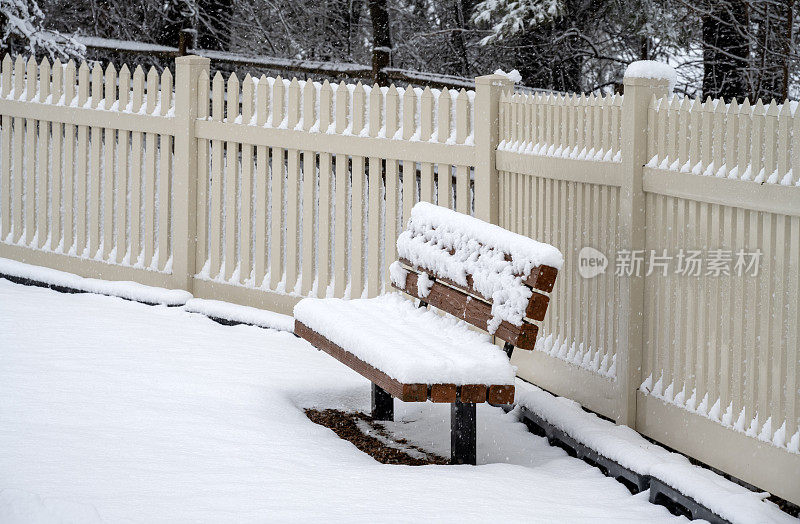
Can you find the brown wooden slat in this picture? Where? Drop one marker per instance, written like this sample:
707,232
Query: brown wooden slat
472,393
471,310
500,395
537,305
443,393
405,392
542,277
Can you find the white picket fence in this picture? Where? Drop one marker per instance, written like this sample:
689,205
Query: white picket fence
262,190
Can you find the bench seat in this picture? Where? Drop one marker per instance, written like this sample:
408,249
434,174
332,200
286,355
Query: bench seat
434,356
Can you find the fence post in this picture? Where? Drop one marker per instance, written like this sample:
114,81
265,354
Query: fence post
184,183
487,130
632,222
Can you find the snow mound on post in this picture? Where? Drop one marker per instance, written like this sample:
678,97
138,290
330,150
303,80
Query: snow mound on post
453,245
631,450
410,344
653,69
244,314
122,289
512,75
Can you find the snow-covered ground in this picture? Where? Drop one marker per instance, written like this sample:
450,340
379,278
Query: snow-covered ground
117,411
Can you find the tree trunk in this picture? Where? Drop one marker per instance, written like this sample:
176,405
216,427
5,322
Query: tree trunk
725,49
787,48
461,9
381,40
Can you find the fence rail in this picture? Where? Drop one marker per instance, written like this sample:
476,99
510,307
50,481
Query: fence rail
263,190
310,67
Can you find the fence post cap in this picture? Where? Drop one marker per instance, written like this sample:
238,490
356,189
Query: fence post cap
493,80
651,73
192,60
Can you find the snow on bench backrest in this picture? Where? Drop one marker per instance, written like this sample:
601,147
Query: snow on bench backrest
495,263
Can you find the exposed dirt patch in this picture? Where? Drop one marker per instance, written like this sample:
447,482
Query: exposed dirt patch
383,447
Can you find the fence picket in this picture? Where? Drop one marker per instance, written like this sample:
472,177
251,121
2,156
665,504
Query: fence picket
215,212
5,154
743,144
324,201
69,162
673,137
149,173
341,205
164,177
784,125
81,172
392,183
123,159
462,123
247,187
292,192
30,161
794,166
56,170
719,136
409,166
375,197
793,322
109,141
231,176
445,177
696,133
756,141
310,177
95,165
43,174
277,238
731,130
735,401
358,197
261,188
426,188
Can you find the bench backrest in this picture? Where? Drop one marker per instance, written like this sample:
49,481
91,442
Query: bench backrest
494,279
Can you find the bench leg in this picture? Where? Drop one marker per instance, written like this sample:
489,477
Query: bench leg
382,404
462,433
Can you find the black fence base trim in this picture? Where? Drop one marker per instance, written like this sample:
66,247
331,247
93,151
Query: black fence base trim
660,493
71,290
665,495
65,289
229,322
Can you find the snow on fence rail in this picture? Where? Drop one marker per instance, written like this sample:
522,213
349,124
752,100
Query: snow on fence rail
262,190
744,142
568,126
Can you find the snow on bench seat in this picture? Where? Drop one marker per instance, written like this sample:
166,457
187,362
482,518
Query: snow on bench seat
409,344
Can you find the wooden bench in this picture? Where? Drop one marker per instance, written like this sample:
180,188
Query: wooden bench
484,275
